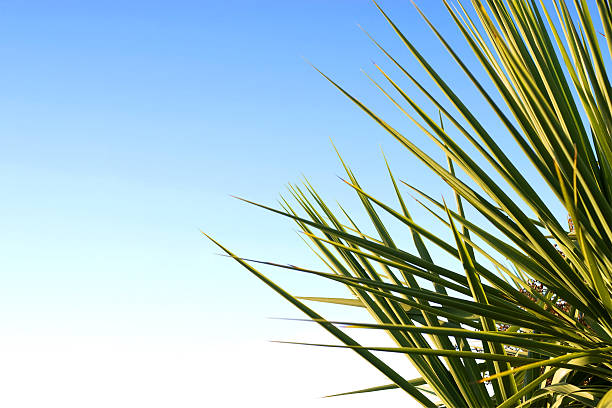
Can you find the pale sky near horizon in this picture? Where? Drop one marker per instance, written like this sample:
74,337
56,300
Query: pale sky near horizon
125,127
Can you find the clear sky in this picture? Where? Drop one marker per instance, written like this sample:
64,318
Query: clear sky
124,128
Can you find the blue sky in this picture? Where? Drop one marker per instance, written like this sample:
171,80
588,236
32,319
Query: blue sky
124,128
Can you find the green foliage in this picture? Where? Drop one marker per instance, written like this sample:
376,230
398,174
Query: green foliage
534,330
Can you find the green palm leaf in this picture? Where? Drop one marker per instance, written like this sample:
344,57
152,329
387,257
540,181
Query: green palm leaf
525,318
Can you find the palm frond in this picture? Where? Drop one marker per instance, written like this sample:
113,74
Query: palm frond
525,317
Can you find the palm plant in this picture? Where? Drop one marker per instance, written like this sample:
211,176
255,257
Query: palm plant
526,321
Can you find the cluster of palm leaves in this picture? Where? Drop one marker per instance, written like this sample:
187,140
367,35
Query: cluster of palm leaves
526,321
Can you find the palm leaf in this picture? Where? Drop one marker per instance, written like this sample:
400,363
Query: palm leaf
527,306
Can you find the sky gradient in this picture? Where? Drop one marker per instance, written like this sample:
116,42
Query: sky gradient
125,128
